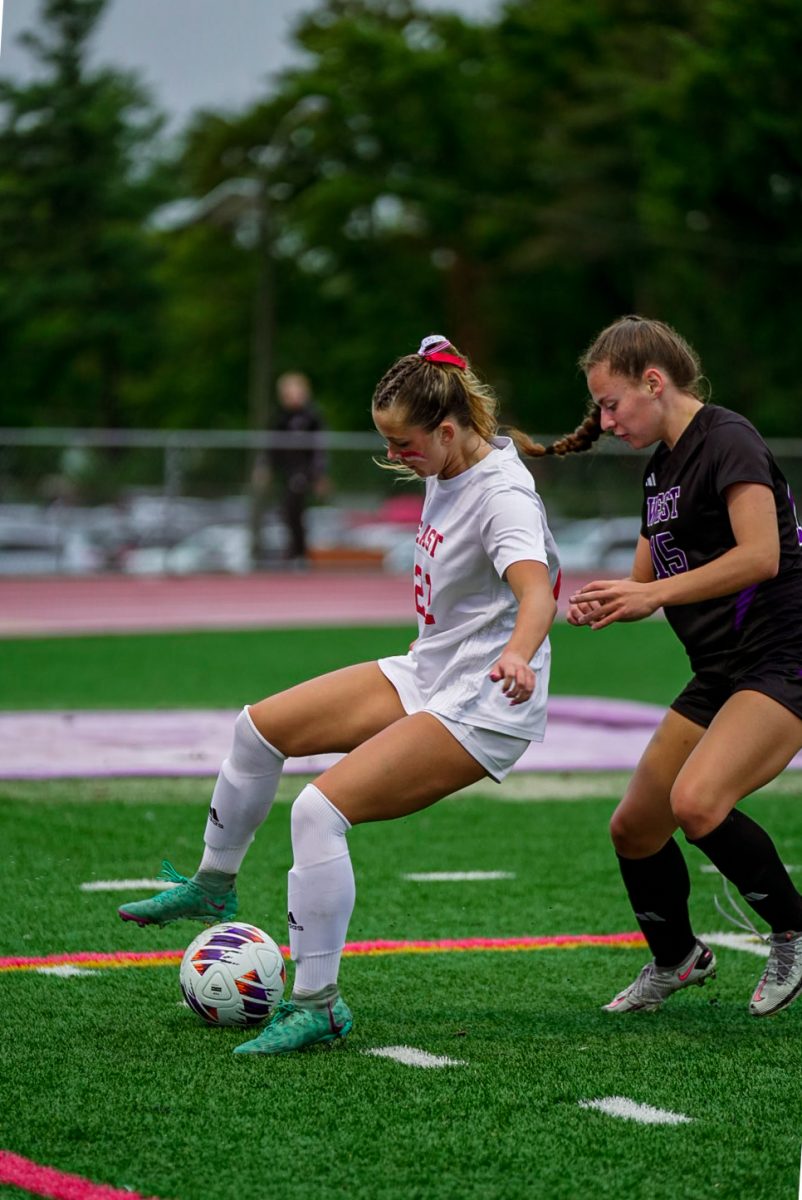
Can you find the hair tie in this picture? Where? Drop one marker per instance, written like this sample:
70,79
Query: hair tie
436,348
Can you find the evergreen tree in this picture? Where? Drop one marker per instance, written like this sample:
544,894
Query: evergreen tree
77,301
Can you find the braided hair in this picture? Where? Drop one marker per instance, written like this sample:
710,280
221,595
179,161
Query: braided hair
629,346
430,388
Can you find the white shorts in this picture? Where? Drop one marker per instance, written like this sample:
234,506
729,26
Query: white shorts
497,752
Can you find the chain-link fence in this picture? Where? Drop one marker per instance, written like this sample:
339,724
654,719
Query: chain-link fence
79,500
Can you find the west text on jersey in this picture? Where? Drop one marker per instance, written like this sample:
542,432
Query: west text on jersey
663,506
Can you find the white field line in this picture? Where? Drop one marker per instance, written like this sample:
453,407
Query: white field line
410,1057
709,869
630,1110
65,970
737,941
456,876
532,788
126,885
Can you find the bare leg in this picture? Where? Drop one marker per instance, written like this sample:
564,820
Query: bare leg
749,742
334,712
405,767
643,821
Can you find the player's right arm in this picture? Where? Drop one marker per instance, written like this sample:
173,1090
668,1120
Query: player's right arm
642,566
642,572
754,558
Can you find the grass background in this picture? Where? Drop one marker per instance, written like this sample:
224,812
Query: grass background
221,669
110,1077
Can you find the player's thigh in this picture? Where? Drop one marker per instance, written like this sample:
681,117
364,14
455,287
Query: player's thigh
751,739
334,712
407,766
643,821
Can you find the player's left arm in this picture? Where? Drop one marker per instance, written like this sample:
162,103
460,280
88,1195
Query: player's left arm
531,586
754,558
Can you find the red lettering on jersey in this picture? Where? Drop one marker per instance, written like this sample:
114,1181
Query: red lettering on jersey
423,602
428,539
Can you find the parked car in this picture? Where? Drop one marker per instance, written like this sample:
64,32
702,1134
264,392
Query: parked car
41,547
225,548
584,546
598,544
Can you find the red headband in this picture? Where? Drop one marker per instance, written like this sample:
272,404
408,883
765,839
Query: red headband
435,348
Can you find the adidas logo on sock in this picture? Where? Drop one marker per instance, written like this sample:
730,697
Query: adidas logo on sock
213,817
293,924
650,916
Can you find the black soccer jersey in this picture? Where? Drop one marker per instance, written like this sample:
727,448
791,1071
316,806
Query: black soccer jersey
686,522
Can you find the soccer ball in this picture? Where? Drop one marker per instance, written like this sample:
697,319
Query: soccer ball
232,974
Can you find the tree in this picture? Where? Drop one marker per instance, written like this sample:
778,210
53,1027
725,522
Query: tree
77,297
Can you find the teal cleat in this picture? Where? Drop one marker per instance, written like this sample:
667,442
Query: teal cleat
189,901
293,1028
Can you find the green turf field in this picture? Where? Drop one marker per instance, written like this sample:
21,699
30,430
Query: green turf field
108,1076
217,670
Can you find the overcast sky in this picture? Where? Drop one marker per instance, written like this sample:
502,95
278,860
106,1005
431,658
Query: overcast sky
192,53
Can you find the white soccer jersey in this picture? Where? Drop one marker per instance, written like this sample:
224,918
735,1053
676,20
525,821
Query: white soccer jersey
473,527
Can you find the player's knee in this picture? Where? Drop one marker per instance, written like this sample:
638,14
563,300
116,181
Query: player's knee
696,808
251,753
317,828
631,838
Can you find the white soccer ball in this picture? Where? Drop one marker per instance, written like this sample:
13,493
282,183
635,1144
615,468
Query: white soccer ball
232,974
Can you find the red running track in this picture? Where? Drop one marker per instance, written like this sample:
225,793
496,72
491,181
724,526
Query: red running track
125,604
122,604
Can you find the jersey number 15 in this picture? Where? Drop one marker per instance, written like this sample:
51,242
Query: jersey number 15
667,559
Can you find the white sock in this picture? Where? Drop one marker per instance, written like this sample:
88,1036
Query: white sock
243,795
320,891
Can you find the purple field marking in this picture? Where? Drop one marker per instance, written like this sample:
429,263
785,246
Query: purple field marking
584,734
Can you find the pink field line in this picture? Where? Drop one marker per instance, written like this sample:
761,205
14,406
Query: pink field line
164,958
32,1177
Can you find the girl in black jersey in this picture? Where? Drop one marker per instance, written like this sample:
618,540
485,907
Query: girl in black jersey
720,552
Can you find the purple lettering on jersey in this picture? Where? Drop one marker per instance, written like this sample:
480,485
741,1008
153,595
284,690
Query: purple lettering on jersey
667,558
742,602
663,506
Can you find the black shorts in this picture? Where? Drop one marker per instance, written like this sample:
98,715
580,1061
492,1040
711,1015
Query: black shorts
710,690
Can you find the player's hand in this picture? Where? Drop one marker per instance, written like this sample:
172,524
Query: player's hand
518,677
576,614
614,600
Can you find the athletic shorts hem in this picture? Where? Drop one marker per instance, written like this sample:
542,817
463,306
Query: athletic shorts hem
496,752
702,698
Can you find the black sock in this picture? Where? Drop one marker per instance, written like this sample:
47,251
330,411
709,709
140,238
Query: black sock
658,889
746,855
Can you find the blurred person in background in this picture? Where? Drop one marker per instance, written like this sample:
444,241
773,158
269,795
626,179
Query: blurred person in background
720,552
299,470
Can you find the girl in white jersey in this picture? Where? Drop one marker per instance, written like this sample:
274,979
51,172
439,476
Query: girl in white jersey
462,705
